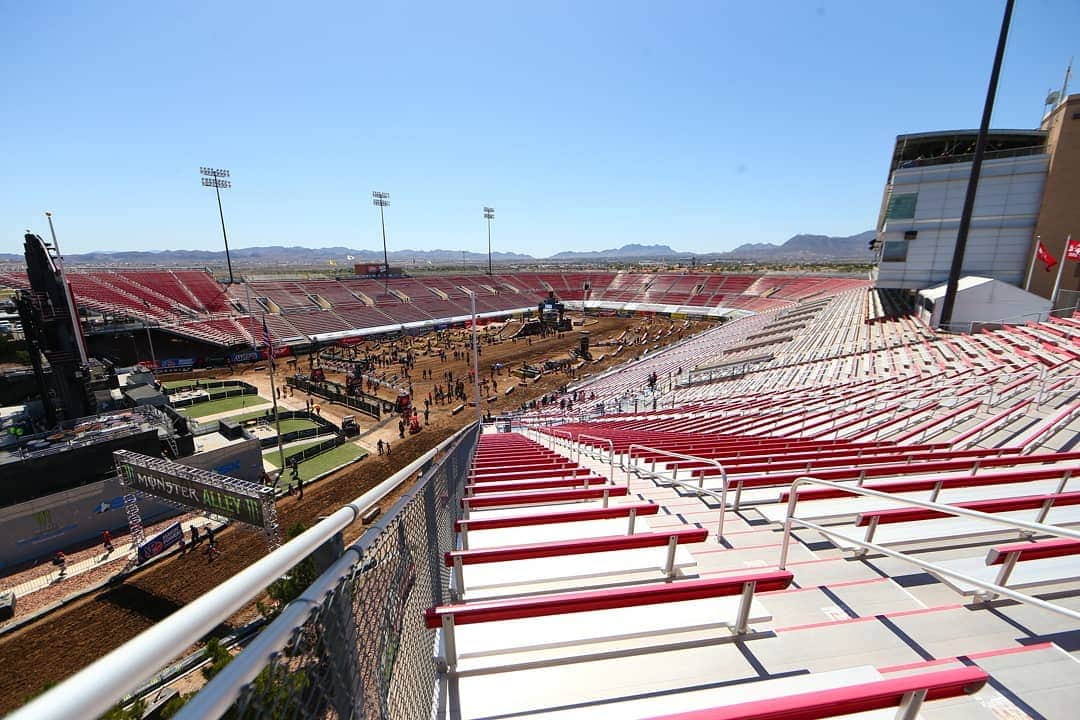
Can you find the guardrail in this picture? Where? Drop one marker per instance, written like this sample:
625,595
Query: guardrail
95,689
989,589
611,453
699,489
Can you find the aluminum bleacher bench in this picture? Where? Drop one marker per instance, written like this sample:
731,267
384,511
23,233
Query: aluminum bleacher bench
564,481
449,617
857,473
937,483
905,693
1043,503
670,539
631,511
896,526
1018,565
567,470
539,497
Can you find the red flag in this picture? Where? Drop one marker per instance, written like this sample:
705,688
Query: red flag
1044,255
1072,249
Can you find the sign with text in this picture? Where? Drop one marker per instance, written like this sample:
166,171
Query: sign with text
160,542
193,487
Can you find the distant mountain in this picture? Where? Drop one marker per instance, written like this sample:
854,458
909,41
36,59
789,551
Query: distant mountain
626,251
279,255
808,247
801,248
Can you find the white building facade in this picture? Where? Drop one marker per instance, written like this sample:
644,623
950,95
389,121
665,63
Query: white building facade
920,215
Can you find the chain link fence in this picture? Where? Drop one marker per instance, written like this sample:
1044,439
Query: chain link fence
354,645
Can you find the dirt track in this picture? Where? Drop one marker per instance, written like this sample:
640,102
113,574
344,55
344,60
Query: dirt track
65,641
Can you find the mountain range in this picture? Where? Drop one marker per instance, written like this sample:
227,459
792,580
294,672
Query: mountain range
800,248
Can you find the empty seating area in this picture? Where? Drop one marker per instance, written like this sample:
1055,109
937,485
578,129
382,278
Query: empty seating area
183,301
918,486
581,589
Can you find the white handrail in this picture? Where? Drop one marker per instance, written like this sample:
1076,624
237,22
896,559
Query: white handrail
611,456
700,489
96,688
988,587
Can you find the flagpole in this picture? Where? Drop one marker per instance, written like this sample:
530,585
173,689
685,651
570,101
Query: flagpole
273,397
1031,268
1057,282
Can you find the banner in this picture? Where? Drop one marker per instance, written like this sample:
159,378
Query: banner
192,487
1045,257
160,542
1072,249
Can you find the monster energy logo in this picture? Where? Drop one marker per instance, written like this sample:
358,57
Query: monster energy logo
44,520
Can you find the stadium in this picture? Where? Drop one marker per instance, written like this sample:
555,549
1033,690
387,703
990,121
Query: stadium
663,490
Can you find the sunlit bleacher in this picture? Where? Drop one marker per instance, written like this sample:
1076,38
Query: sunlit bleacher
880,503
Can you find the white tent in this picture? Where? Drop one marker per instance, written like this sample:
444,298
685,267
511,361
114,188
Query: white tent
981,299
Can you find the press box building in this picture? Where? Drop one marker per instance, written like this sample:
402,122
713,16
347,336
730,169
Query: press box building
1027,189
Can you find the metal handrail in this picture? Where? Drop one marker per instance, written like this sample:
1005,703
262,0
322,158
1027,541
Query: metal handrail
611,456
987,587
700,489
216,698
556,433
96,688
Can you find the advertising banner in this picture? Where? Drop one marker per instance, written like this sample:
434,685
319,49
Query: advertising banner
192,487
160,542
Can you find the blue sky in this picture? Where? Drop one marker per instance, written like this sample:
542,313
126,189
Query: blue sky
701,125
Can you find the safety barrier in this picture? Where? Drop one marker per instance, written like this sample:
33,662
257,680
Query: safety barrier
348,646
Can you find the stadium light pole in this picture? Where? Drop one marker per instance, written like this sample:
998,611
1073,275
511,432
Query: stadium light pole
489,215
382,200
973,180
475,361
218,179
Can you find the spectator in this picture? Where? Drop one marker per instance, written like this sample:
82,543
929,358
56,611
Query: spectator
60,560
106,540
194,536
210,535
380,446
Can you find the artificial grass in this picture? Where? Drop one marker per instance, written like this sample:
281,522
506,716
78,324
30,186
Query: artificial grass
223,405
271,456
326,461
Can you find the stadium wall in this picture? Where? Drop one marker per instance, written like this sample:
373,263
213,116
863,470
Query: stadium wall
66,520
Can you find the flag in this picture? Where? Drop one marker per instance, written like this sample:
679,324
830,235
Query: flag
333,262
1044,255
1072,249
269,345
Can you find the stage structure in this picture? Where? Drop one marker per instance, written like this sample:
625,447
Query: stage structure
195,489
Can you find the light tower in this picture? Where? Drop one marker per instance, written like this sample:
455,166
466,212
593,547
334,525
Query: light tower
489,215
217,179
382,200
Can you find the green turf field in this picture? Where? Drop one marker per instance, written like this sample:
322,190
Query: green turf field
272,457
326,461
294,424
223,405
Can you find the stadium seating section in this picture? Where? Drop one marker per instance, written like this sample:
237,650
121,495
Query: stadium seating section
626,556
194,304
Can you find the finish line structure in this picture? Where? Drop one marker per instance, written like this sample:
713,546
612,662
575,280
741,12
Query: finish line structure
192,488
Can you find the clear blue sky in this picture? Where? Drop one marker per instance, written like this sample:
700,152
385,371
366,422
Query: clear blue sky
701,125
